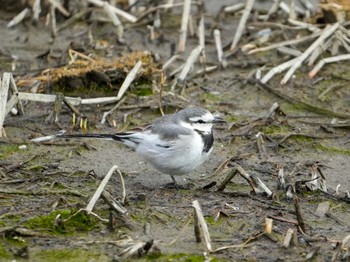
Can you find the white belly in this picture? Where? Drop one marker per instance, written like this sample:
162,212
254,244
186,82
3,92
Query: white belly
182,157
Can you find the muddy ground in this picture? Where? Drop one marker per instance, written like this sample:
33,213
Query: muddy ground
42,185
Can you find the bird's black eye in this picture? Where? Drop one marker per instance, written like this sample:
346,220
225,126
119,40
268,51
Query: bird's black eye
200,121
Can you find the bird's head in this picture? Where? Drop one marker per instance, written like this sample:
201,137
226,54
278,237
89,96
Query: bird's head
197,118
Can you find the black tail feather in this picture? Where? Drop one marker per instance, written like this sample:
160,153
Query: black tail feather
116,137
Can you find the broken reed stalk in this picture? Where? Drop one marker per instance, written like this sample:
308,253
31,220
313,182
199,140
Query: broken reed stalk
281,182
257,185
59,7
184,25
6,106
271,111
116,10
227,179
45,98
327,60
19,18
4,87
15,92
217,38
273,9
115,19
100,189
201,224
170,61
189,63
36,10
126,84
288,238
204,71
298,214
268,225
242,23
325,34
234,8
114,204
284,43
261,147
197,230
201,36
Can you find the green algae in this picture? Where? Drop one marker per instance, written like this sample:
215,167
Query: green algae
77,222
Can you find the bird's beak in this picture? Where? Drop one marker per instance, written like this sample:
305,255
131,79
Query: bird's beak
218,119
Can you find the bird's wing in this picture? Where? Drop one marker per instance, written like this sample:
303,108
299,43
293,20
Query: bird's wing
169,131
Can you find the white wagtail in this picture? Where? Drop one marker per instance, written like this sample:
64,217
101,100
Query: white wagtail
174,144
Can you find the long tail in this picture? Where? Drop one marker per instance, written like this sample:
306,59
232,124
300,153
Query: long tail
116,137
128,139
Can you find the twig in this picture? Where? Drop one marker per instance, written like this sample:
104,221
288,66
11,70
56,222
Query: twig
288,238
169,62
234,8
257,185
261,147
227,179
278,69
116,10
56,4
19,18
204,71
189,63
115,19
15,92
99,190
202,224
218,44
184,25
73,19
273,9
325,34
242,22
284,43
281,182
128,80
310,27
327,60
113,203
4,88
72,55
161,87
201,36
36,9
289,51
298,214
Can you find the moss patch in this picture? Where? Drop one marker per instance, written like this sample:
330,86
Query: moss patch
80,222
7,150
330,149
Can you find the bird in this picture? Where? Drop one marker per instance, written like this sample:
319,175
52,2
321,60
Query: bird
174,144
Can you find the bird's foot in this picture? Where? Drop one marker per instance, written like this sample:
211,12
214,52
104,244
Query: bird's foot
175,185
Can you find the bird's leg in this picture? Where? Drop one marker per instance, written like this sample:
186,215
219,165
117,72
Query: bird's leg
173,184
174,180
